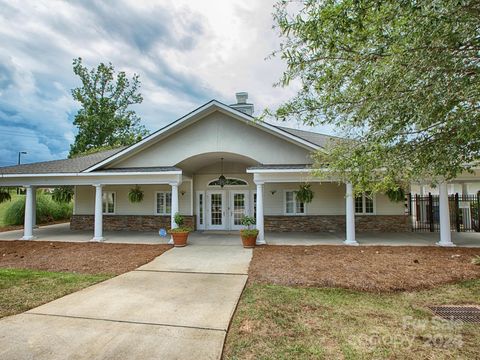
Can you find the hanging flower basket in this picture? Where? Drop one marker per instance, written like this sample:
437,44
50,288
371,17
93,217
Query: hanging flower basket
396,195
305,193
135,195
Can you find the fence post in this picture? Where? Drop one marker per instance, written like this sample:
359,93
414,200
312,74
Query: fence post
409,204
430,212
457,212
478,211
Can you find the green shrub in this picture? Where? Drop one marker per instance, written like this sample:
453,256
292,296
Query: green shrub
47,210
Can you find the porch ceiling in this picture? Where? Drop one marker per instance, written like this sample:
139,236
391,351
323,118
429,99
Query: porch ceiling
195,163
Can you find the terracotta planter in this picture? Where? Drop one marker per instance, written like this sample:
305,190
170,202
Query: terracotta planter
180,238
248,241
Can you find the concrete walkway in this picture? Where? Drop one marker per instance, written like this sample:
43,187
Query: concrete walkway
178,306
62,232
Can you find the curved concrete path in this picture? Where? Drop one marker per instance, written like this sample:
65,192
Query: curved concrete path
178,306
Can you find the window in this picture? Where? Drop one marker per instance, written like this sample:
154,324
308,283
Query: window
200,209
292,205
229,182
163,204
364,204
108,202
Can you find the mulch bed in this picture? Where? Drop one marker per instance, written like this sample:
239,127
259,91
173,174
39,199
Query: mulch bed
364,268
90,258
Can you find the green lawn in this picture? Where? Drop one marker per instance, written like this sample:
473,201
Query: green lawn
279,322
21,290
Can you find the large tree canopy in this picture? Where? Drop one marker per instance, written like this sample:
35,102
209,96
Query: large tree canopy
399,78
105,118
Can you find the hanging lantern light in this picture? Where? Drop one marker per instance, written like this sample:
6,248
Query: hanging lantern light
222,180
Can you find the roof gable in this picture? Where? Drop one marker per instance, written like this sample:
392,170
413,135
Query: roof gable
196,115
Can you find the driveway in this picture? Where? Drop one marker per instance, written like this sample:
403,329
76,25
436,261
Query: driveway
178,306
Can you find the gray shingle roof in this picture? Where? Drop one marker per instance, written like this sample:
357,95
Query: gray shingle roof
313,137
74,165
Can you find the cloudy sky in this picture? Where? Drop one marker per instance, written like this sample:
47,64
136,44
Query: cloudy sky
186,53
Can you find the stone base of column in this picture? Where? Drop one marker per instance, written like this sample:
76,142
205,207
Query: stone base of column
351,242
31,237
445,244
97,239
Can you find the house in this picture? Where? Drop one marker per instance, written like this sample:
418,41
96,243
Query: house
181,167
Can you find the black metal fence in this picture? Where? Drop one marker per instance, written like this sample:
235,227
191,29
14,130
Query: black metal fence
464,212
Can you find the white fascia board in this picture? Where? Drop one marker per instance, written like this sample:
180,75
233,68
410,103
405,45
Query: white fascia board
192,115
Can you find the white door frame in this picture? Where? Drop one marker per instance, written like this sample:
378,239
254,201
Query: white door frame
208,211
231,220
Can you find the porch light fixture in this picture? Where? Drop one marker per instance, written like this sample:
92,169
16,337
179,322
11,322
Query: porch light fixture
222,180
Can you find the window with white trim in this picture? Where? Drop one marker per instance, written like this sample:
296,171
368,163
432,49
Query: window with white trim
163,203
292,205
364,204
108,202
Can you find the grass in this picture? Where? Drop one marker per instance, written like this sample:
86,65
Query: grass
5,205
21,290
282,322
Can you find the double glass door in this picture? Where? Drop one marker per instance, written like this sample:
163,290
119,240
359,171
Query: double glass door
225,209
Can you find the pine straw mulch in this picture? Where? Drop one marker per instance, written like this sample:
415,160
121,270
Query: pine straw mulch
89,258
364,268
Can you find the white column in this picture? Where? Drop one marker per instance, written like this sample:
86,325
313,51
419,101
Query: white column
350,215
34,211
445,234
98,229
464,189
260,218
174,207
28,224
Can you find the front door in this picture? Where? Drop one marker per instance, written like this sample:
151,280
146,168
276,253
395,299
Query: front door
238,208
216,216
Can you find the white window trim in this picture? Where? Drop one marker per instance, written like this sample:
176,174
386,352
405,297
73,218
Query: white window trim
114,202
295,204
364,205
155,199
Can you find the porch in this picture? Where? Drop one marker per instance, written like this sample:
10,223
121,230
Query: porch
62,232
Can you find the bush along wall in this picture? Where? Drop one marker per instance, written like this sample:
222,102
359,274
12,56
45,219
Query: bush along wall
47,210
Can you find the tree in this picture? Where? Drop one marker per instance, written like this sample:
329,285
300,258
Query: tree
105,119
399,79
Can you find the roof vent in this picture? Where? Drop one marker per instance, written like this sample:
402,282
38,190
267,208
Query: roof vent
242,104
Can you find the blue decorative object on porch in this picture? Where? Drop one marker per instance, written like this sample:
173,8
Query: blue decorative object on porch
162,232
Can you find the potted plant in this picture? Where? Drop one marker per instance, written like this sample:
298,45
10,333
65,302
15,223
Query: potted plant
305,193
135,195
180,233
248,235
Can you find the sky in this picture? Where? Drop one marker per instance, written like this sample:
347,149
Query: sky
185,52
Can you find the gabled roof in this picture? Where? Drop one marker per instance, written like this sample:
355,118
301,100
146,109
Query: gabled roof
198,113
93,162
74,165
